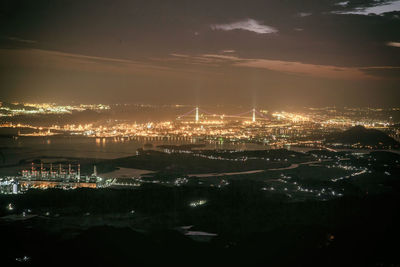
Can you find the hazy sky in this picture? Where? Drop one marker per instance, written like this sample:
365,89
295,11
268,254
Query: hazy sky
262,53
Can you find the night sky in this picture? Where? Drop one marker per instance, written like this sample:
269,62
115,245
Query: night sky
252,53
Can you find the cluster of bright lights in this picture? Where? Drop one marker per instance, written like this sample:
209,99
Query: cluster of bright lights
197,203
293,117
10,207
180,181
280,130
49,108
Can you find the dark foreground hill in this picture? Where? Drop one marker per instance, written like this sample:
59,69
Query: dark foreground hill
350,231
360,136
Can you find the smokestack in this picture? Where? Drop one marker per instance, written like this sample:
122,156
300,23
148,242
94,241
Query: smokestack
79,171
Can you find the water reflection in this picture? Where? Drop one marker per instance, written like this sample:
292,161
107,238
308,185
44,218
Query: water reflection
102,148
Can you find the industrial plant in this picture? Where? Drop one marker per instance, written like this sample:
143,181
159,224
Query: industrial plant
64,176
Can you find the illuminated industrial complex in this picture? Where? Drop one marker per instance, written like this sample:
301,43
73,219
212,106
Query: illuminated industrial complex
43,177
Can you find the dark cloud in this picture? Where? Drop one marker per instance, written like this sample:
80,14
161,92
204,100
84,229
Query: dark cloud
16,39
384,72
